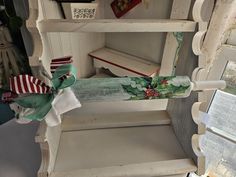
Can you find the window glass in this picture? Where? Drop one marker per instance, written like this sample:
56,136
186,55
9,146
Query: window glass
220,155
219,151
222,112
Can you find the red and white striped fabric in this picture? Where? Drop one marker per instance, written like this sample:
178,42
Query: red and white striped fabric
22,84
57,62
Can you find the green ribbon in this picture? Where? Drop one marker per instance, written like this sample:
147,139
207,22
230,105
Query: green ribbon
42,103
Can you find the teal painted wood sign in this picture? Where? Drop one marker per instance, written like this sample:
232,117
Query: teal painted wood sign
132,88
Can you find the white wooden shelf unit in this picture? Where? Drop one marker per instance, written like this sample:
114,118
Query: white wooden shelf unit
106,142
105,22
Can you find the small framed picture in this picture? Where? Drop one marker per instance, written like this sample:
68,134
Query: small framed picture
80,10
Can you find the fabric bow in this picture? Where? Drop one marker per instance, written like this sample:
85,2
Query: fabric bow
40,98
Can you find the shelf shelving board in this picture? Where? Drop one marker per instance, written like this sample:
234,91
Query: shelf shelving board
170,168
116,25
96,121
121,148
115,60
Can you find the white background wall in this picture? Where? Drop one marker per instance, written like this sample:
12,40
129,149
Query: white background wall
145,45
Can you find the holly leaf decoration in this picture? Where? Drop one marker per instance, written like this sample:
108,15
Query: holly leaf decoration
157,82
135,93
181,89
144,82
179,37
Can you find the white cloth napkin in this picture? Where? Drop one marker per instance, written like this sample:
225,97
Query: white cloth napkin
65,101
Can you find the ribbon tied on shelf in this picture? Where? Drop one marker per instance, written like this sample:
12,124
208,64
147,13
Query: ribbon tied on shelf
38,100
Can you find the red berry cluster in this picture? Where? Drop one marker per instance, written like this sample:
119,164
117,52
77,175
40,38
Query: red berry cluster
151,93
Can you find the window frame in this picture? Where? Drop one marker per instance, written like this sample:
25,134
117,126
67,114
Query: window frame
225,54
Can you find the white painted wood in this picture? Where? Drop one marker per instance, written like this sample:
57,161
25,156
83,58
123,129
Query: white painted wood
209,85
181,175
145,45
197,42
118,71
195,73
207,50
106,57
120,106
197,150
198,117
36,38
118,146
232,37
215,73
196,145
87,42
201,74
202,11
116,25
52,46
180,10
150,147
64,44
48,138
96,121
223,16
145,170
227,52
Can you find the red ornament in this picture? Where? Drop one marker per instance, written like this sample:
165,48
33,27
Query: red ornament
121,7
164,82
151,93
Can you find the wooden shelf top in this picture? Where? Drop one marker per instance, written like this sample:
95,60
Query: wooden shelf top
124,61
116,25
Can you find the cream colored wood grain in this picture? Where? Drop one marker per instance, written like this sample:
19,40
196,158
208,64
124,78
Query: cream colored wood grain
180,10
95,121
116,25
173,168
101,148
232,36
48,139
124,60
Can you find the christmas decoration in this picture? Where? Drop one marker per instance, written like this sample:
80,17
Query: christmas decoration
132,88
37,100
121,7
